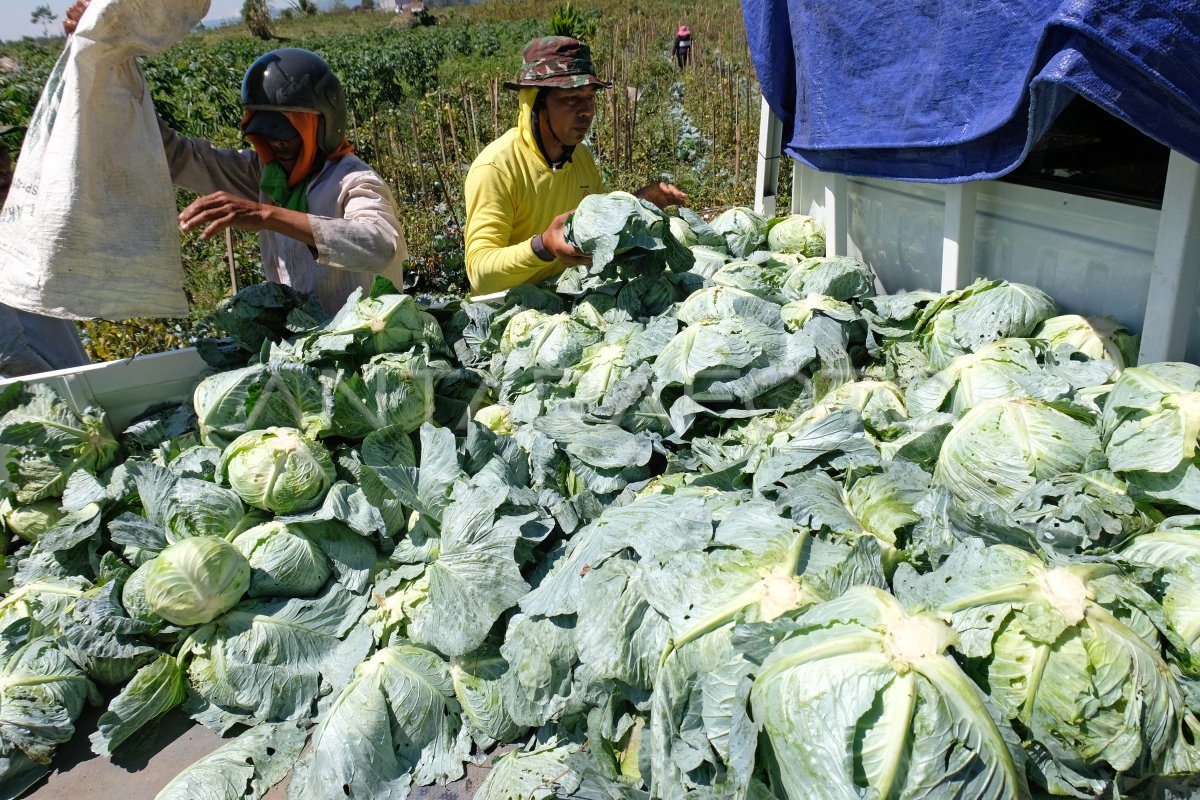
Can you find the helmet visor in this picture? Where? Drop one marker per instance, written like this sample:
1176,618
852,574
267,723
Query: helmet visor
270,125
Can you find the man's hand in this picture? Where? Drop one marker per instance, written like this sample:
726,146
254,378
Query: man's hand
555,240
221,210
662,194
71,18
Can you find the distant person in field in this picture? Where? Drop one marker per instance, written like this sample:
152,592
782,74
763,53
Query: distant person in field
31,343
326,221
683,46
523,185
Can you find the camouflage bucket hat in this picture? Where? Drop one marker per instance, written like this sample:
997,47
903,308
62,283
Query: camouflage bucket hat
557,62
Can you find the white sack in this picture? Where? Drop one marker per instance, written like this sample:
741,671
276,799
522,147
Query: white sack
90,228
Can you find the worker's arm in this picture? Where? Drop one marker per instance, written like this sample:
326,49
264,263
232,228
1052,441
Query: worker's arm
198,166
367,236
215,212
493,264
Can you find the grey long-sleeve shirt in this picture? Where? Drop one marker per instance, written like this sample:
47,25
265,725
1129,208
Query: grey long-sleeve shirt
352,213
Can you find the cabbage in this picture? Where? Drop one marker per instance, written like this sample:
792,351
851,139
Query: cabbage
44,442
1096,337
839,277
1001,448
967,319
278,470
496,418
708,261
390,389
32,520
764,279
864,698
744,230
284,562
380,323
1071,651
1006,368
683,232
133,594
1151,430
797,234
196,580
1177,553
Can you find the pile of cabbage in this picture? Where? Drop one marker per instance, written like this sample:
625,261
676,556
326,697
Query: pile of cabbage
708,518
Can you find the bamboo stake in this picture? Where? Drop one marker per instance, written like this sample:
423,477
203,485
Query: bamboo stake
495,108
441,137
412,122
453,135
737,140
233,287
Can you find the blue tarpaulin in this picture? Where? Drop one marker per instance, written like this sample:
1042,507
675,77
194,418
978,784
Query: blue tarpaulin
934,90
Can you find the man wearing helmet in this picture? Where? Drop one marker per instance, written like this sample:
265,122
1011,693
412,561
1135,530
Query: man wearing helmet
523,185
326,221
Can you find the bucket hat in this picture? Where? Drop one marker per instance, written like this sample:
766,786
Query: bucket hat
557,62
683,31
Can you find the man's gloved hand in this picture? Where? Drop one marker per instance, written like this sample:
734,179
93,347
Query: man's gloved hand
662,194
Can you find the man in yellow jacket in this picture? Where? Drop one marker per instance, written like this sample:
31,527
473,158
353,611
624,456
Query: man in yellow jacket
523,185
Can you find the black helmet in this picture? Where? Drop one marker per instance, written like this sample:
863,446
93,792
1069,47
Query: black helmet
290,79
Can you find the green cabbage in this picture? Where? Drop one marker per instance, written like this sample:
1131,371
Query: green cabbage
797,234
196,580
1001,448
284,562
278,470
744,229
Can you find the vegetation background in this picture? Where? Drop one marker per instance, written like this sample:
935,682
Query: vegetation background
425,99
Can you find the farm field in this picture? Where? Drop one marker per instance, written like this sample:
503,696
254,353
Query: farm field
424,101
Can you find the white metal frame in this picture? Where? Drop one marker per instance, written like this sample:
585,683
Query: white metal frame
1171,301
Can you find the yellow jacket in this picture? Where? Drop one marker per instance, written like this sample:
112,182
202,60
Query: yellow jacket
512,195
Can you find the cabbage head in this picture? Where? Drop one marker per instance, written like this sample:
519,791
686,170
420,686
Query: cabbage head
284,562
799,234
839,277
1151,430
1176,552
708,261
1001,449
278,470
382,323
533,339
44,442
1095,337
762,279
133,594
196,580
1070,650
29,521
1005,368
864,701
496,418
744,229
390,389
683,232
965,320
